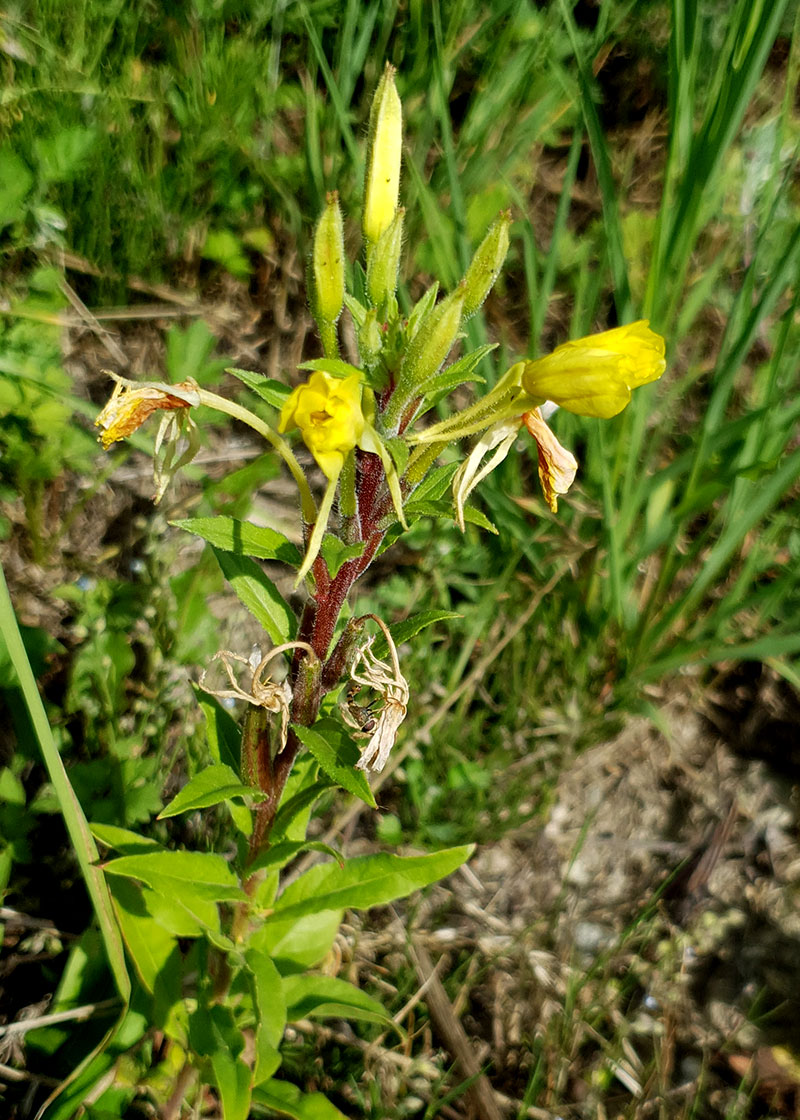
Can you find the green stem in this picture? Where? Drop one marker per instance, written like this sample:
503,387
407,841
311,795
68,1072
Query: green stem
329,338
238,412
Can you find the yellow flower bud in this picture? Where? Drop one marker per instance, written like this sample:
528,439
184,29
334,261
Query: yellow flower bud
328,258
382,187
327,410
594,376
486,264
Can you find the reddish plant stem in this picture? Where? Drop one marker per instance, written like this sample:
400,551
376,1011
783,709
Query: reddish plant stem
317,627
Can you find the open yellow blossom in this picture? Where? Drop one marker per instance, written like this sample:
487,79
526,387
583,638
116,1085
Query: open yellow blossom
594,376
327,410
329,414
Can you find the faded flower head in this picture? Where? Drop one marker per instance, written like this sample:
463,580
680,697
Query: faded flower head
327,410
131,404
391,700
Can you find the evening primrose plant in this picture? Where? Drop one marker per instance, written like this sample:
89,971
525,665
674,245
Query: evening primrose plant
325,703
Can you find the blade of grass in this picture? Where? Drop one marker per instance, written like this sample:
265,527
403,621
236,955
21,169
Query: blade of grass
81,838
339,108
605,178
77,828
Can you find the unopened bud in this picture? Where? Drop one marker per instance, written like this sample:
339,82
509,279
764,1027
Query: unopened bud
328,261
486,264
384,261
382,185
431,344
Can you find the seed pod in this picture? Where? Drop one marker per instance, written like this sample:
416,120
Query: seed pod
382,186
486,264
328,262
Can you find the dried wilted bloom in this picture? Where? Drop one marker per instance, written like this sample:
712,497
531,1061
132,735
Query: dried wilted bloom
132,403
557,465
369,672
275,696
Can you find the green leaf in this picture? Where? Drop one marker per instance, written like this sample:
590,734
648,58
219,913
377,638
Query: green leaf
327,997
149,943
334,366
222,731
278,855
16,181
270,1008
287,1100
356,309
421,309
398,449
259,594
123,839
172,913
232,1076
272,391
444,510
458,373
297,805
336,553
242,538
365,882
302,942
407,629
436,483
337,754
209,787
208,876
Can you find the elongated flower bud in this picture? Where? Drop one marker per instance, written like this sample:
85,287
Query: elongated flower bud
382,185
384,261
431,344
328,261
486,264
594,376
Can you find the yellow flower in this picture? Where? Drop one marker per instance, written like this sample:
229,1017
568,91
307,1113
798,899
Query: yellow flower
327,410
594,376
131,404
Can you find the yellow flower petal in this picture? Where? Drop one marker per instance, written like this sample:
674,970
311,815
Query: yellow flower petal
327,410
557,466
594,376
